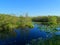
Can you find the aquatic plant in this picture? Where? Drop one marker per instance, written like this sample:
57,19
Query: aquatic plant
51,41
51,28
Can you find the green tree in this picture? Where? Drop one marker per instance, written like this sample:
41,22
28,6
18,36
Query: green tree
52,20
25,21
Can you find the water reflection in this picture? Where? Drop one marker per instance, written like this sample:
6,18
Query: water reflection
33,36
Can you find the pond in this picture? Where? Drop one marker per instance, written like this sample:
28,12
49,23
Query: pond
25,37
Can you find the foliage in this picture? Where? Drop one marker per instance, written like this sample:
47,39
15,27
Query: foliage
9,22
25,22
52,20
47,20
52,41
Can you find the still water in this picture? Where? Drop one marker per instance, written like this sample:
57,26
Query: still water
24,37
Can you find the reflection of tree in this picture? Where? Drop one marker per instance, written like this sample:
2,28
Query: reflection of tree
25,25
8,35
7,24
7,30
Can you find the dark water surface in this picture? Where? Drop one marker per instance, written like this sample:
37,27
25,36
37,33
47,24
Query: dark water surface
24,37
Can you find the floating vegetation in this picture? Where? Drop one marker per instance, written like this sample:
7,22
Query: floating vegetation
52,41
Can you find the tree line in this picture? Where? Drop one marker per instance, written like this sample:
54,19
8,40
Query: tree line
49,20
9,22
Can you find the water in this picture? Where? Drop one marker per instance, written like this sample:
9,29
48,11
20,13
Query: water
24,37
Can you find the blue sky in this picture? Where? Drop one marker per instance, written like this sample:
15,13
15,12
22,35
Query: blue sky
32,7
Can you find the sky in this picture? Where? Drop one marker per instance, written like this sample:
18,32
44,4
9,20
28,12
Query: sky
32,7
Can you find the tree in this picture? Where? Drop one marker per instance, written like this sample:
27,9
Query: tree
25,21
52,20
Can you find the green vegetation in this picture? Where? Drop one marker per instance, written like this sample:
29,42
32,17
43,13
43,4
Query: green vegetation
51,41
25,22
7,22
52,20
10,22
47,20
